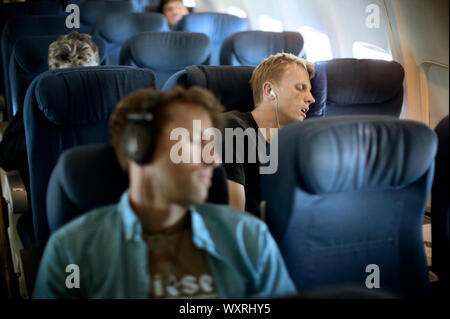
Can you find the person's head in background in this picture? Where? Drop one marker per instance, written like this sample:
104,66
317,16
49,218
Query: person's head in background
73,50
174,10
283,80
158,179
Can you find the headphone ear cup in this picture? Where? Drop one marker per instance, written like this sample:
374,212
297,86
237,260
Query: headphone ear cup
139,142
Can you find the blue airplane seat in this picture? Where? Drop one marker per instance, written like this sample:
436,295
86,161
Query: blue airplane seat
66,108
142,5
30,58
350,193
165,53
20,27
87,177
365,87
217,26
231,85
116,28
17,9
253,47
440,220
92,11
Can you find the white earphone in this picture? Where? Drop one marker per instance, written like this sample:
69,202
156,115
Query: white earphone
276,106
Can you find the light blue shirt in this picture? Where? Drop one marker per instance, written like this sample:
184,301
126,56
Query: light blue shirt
112,258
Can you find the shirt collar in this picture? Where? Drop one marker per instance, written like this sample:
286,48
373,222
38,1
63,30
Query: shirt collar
133,228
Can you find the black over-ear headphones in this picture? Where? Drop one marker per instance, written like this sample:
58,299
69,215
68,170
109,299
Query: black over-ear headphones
140,134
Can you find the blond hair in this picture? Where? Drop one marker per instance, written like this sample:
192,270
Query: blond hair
272,69
72,50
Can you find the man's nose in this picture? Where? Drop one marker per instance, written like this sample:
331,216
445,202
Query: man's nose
310,99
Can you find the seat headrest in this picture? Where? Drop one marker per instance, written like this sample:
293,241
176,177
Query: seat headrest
216,25
31,53
358,152
119,27
14,9
54,92
89,176
20,27
166,50
353,81
90,11
319,90
253,47
230,84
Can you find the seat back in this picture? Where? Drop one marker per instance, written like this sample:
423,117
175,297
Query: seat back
116,28
17,9
231,85
351,193
364,87
253,47
217,26
89,176
440,220
165,53
142,5
30,58
20,27
92,11
65,108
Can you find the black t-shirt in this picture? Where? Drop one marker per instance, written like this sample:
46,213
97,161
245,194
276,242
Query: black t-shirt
246,173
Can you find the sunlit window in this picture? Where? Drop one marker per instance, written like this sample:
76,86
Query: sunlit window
236,12
189,3
363,50
267,23
317,44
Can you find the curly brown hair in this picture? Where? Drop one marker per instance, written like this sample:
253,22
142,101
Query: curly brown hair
72,50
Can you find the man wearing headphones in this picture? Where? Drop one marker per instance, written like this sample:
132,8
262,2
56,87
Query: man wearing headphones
161,240
282,94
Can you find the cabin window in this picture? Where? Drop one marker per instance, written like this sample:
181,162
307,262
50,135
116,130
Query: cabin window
364,50
236,11
317,44
267,23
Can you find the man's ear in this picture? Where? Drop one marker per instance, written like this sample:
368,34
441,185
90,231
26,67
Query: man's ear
267,88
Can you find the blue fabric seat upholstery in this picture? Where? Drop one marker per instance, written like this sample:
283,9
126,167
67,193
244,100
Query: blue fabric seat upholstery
87,177
30,58
253,47
231,85
116,28
20,27
440,219
18,9
66,108
142,5
364,87
217,26
165,53
92,11
351,192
